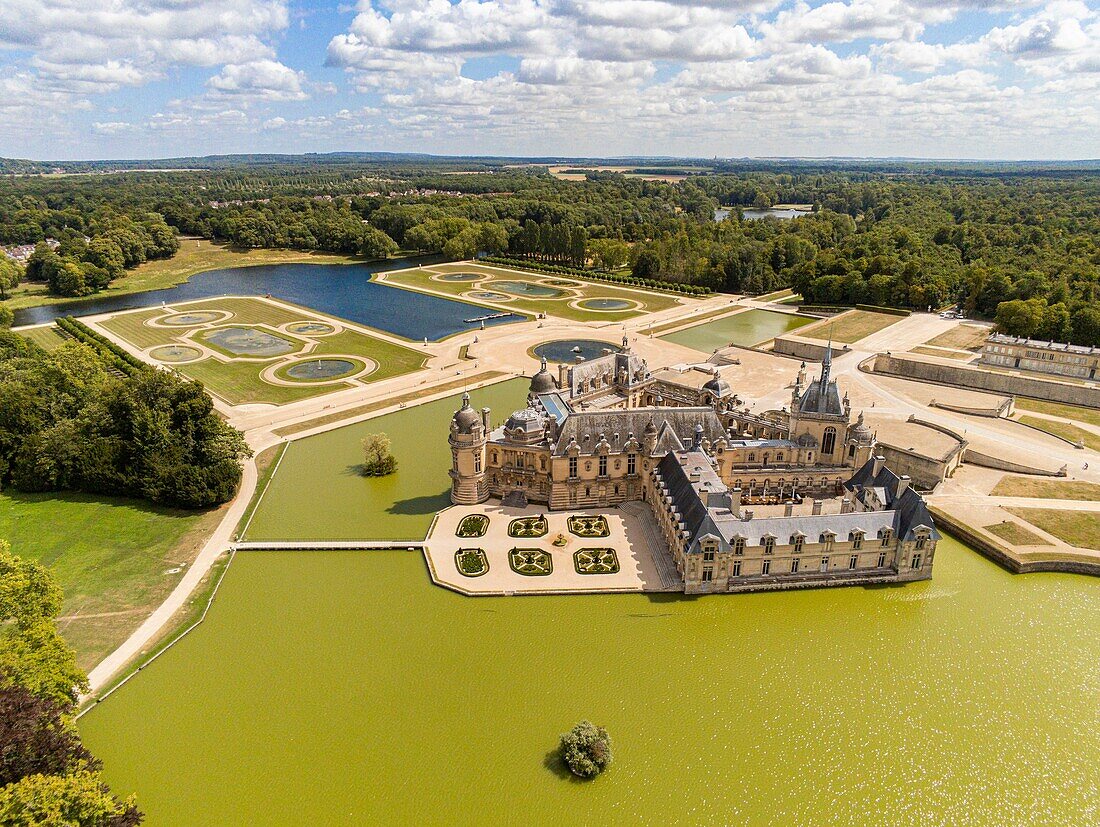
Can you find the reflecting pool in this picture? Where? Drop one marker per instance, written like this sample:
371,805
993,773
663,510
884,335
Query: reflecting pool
527,288
333,688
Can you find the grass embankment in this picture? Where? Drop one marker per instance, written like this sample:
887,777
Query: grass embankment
1089,416
851,326
1078,528
943,353
1015,534
320,494
1064,430
266,462
115,558
194,256
47,336
962,337
1047,489
650,302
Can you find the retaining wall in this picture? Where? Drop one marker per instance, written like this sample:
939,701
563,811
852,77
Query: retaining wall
973,457
984,380
804,349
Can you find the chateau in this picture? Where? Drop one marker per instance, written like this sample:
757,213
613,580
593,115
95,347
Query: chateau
609,431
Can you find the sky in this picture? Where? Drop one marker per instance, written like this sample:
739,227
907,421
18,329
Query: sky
987,79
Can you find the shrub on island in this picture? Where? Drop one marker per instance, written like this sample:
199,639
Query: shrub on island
586,749
378,461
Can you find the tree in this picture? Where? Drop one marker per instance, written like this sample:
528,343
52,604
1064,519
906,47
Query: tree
608,253
647,265
1019,317
10,276
6,317
1086,326
78,799
378,461
35,738
586,749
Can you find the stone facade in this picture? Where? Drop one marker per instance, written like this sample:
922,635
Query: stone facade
1056,358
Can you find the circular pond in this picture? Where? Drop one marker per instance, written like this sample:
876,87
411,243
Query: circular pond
488,296
311,328
191,319
606,304
175,353
319,370
567,350
459,277
529,289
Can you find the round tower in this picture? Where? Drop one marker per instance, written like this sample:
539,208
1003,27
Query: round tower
469,434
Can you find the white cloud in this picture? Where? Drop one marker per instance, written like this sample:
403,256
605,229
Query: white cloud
265,80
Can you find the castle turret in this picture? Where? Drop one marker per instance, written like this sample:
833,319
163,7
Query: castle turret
469,434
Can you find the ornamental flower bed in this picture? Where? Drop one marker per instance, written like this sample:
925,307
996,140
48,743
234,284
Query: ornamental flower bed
473,525
589,526
596,561
471,562
530,562
528,527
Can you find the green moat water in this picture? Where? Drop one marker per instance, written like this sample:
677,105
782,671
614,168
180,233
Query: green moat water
343,688
747,328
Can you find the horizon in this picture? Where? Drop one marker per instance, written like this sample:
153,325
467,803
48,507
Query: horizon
943,79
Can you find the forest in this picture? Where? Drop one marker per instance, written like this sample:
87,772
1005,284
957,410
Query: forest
1018,244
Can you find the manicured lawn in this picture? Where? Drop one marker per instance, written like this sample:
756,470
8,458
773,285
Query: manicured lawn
748,328
1090,416
422,277
1078,528
239,383
1016,535
1064,430
47,337
1047,489
319,494
132,328
853,325
111,555
962,336
194,256
392,360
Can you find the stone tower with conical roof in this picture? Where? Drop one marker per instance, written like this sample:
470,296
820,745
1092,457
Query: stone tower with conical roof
469,434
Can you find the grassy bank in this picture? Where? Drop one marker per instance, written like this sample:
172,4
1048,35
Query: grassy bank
194,256
1078,528
115,558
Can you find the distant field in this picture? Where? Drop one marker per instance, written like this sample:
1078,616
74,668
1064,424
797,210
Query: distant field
113,557
1078,528
1047,489
1090,416
1016,534
852,325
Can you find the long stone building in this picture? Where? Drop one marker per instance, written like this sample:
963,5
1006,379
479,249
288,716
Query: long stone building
608,431
1055,358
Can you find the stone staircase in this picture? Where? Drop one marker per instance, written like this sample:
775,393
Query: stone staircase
671,581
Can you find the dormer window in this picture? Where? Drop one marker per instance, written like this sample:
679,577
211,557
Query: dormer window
739,545
886,535
769,545
797,540
856,539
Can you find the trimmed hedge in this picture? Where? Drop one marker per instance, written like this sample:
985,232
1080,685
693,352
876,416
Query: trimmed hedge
592,275
124,361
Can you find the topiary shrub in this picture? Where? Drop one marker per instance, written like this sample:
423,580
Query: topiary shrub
586,749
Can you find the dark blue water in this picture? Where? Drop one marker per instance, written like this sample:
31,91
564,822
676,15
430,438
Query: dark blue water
563,349
342,290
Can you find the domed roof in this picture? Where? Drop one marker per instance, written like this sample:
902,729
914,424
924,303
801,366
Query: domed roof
527,420
860,431
466,418
543,382
717,385
807,440
650,427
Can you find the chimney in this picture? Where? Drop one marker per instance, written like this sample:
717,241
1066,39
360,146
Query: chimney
562,375
788,509
485,419
746,515
903,485
735,500
817,508
877,467
846,506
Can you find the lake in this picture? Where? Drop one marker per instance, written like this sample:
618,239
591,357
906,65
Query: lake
333,688
747,328
342,290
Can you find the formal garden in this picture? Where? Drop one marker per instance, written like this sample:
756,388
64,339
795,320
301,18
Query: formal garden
528,526
472,562
531,562
596,561
472,525
589,526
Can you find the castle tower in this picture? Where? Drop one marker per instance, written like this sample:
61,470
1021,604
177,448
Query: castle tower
469,434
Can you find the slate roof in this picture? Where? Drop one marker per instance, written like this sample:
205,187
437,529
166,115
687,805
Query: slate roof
818,400
910,506
676,427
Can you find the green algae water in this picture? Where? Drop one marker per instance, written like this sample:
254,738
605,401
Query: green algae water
748,328
343,688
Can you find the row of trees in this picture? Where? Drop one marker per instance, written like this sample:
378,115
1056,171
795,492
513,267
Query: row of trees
47,776
68,423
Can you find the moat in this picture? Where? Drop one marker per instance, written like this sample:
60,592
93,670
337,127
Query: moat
938,702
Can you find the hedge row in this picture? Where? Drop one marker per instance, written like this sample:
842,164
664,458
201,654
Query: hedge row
591,275
126,362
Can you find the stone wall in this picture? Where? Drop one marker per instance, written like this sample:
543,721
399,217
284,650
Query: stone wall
984,380
804,349
926,472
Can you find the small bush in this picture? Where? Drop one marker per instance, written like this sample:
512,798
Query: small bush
586,750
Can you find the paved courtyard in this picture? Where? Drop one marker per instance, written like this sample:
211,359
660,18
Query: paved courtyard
550,568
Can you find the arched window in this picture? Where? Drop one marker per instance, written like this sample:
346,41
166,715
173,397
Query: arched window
829,441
